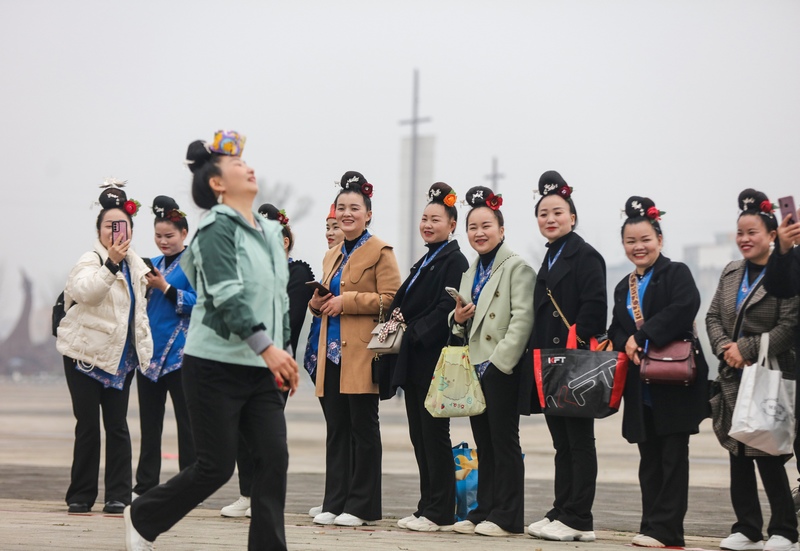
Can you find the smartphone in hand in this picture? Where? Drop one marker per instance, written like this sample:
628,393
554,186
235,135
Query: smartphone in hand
149,264
787,207
319,286
119,228
453,292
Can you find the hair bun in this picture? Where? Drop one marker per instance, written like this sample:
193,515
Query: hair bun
112,198
442,193
197,155
641,207
164,205
552,183
271,212
752,200
482,196
355,181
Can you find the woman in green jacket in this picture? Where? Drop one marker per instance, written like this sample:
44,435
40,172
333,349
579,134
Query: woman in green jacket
235,364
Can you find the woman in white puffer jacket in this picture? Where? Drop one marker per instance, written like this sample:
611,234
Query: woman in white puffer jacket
103,337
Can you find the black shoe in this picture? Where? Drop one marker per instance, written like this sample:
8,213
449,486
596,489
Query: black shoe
114,507
79,508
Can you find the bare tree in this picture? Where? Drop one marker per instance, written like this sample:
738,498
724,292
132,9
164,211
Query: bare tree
285,196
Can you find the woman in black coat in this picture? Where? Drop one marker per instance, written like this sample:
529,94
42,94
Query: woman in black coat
658,418
425,305
575,273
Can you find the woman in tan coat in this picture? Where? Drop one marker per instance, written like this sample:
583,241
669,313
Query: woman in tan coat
362,276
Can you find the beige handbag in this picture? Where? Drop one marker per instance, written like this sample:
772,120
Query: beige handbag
387,337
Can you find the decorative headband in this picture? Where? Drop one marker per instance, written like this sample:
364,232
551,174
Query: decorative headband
227,142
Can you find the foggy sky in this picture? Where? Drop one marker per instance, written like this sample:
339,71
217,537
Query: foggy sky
688,102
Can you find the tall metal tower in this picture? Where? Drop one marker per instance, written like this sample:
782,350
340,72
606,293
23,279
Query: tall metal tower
414,121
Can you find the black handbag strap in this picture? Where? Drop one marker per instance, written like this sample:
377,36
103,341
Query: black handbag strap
740,315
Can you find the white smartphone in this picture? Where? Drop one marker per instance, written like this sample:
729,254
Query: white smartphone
453,292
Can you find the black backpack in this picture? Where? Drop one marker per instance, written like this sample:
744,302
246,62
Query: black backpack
58,308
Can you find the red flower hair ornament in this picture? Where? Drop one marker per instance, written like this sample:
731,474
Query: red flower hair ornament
766,206
654,214
366,189
131,207
494,202
565,192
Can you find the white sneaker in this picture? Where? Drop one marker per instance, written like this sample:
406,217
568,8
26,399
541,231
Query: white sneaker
324,518
423,524
403,522
236,509
535,529
314,511
346,519
640,540
739,542
779,543
558,531
464,527
249,513
133,540
489,528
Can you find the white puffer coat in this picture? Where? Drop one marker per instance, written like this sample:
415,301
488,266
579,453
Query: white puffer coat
98,307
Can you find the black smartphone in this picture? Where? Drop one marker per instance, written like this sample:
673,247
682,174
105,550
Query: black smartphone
786,205
319,286
149,264
119,228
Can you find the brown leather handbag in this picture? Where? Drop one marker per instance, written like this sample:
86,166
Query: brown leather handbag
672,364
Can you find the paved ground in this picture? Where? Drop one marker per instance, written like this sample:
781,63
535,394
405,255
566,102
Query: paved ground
35,451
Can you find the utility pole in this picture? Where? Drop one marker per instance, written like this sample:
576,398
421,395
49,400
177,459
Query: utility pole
495,176
414,121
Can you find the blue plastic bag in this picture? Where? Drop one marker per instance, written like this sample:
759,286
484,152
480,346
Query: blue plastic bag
466,461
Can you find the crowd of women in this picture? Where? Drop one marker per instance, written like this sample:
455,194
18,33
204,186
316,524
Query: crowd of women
216,324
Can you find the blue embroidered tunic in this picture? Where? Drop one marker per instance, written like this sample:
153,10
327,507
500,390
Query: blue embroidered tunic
169,317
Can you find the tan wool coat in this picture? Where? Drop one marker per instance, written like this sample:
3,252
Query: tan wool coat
370,275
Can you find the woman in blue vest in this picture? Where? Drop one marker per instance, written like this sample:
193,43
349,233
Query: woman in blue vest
169,306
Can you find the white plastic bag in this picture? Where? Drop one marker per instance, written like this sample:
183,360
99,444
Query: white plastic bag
763,417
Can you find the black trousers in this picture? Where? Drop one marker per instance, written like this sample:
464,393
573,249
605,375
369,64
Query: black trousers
352,450
744,497
501,472
89,399
434,453
224,399
576,471
664,481
152,401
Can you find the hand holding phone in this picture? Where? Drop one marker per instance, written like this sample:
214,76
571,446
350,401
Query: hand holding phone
119,228
453,292
149,264
319,287
786,205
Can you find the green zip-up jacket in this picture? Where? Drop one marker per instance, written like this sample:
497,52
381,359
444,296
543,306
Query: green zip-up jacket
240,274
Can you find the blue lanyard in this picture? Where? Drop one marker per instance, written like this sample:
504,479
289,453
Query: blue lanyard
347,255
551,261
425,262
745,287
482,275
